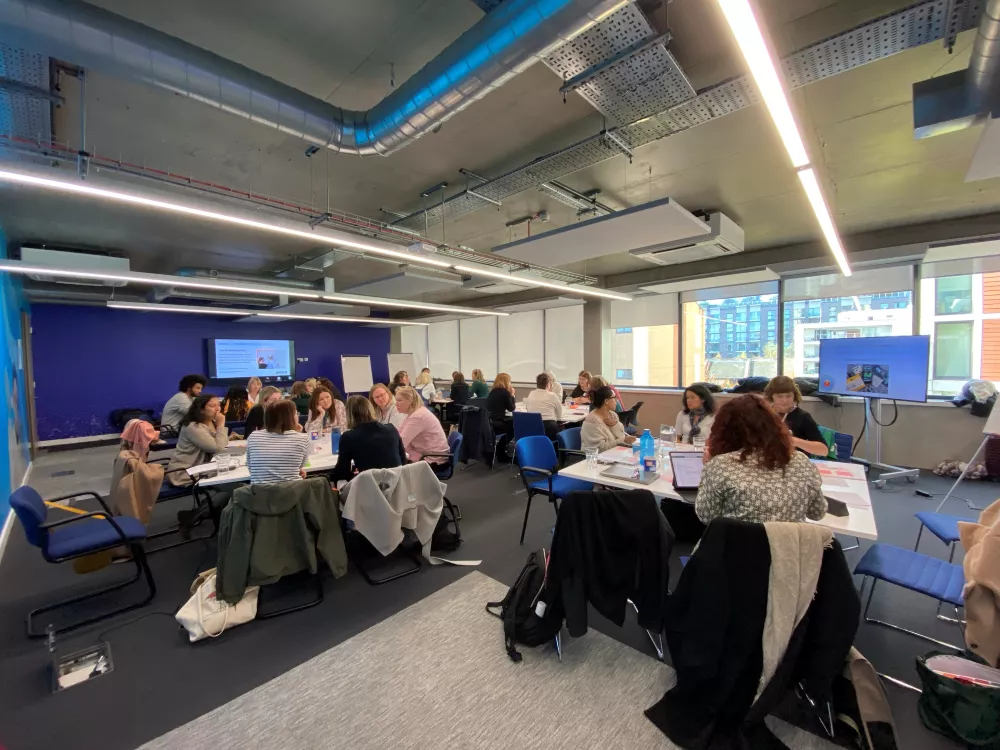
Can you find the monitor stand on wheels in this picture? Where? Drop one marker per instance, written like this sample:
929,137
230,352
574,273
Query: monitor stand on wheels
873,428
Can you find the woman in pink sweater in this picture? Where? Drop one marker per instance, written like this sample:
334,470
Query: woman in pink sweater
421,431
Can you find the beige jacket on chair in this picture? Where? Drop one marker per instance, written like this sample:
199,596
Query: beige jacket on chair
383,502
135,485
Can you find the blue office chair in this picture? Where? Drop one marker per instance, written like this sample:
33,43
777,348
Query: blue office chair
924,574
537,460
526,424
569,443
78,536
447,471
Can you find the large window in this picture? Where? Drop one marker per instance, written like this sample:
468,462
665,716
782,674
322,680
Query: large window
644,341
478,346
723,337
442,348
564,342
870,303
953,351
522,345
953,295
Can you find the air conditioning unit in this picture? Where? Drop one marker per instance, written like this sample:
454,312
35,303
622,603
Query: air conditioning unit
725,237
68,260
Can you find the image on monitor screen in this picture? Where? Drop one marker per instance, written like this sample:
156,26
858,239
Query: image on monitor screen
868,378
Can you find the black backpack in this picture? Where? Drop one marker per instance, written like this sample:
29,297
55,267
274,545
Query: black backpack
444,539
518,610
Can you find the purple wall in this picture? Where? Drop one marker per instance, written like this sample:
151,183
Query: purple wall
91,360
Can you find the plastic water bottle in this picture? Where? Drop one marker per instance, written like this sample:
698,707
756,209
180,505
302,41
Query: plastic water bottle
647,451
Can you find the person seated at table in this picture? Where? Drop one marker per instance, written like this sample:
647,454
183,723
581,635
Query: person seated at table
203,434
500,405
785,398
598,381
556,385
752,472
279,452
581,394
236,405
253,390
326,412
425,385
478,388
543,401
696,418
421,432
367,444
177,405
255,417
400,378
300,397
601,428
385,406
459,390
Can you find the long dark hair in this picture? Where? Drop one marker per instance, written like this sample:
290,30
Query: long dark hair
707,399
598,397
236,407
314,403
748,424
328,384
196,412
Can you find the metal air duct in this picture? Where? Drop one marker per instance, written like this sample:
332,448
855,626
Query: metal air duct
502,44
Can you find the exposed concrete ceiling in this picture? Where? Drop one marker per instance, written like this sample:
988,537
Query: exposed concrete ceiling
858,126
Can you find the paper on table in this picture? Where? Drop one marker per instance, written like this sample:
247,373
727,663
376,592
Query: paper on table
851,499
842,470
619,455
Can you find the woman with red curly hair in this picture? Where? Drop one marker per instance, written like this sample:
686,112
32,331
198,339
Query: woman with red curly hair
752,472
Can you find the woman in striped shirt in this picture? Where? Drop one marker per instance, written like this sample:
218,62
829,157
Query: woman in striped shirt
279,452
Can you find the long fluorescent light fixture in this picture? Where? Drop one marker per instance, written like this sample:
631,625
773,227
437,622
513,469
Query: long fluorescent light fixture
745,27
750,39
221,285
815,194
542,284
154,307
80,188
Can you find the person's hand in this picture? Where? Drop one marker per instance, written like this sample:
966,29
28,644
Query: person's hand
219,419
629,439
302,473
298,426
611,420
320,410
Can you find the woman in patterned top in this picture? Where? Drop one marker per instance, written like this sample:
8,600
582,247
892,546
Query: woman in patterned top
752,473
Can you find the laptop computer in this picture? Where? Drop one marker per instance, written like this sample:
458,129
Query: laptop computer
686,467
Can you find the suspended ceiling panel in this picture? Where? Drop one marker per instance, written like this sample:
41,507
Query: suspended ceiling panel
542,304
405,285
313,308
641,226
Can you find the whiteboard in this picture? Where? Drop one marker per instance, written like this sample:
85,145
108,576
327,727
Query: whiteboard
357,370
404,361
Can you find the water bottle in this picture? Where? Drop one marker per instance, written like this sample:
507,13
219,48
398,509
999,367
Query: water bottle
647,451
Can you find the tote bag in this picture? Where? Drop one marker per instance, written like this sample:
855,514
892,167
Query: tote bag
204,615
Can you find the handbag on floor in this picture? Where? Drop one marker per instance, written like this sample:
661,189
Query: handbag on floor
204,615
961,710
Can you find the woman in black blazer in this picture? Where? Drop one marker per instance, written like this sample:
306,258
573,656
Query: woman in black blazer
498,403
366,444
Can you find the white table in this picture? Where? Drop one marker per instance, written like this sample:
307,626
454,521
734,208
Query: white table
323,460
860,522
569,414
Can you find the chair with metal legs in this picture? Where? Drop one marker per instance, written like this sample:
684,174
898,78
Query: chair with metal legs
924,574
78,536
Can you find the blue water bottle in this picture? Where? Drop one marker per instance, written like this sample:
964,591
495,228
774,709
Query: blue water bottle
647,451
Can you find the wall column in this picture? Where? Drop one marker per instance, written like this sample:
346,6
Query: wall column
597,337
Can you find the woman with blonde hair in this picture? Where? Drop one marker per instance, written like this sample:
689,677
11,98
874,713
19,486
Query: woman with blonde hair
421,432
500,403
424,385
385,406
253,390
581,394
478,388
598,381
367,444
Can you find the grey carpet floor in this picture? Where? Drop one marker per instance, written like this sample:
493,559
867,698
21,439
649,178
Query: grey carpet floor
436,675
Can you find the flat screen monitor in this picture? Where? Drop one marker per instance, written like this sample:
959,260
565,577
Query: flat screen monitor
242,359
892,367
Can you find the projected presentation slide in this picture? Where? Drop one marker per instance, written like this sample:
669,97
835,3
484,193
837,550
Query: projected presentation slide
246,358
882,367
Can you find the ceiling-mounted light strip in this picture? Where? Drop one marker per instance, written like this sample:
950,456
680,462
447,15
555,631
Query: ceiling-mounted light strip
750,38
220,285
815,194
523,281
80,188
341,319
152,307
155,307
